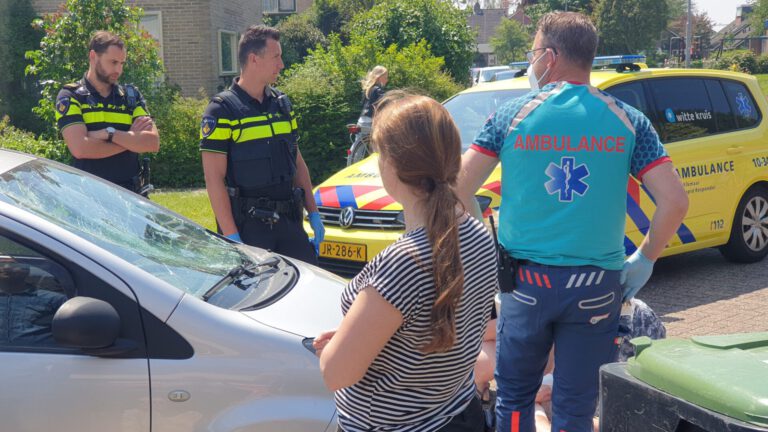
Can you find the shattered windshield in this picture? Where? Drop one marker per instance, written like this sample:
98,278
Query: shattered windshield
148,236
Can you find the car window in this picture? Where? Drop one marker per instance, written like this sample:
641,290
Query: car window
632,94
683,107
724,117
144,234
742,104
471,110
32,288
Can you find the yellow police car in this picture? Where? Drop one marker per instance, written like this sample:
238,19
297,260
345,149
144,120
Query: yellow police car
711,123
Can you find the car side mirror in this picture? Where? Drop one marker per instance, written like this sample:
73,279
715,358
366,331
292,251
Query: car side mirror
92,325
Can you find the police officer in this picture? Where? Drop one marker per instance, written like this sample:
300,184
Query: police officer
104,124
562,221
257,181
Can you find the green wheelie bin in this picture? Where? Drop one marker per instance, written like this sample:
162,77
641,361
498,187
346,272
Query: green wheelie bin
702,384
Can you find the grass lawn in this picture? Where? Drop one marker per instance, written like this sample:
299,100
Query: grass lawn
191,203
762,79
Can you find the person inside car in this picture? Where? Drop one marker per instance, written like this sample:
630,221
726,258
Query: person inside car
26,312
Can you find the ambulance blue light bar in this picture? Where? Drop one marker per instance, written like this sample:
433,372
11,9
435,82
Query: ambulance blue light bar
598,62
618,59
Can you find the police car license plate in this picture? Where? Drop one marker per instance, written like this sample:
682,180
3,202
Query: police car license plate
345,251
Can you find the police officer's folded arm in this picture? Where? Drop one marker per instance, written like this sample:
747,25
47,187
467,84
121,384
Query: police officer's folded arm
139,141
215,171
87,145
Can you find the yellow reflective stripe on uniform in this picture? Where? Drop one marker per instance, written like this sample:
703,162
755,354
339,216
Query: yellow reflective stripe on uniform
252,119
219,134
282,127
227,121
139,111
107,117
293,124
73,109
254,133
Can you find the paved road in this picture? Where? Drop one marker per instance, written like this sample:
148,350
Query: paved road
701,293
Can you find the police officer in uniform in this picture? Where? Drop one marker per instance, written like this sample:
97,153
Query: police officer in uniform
257,180
106,125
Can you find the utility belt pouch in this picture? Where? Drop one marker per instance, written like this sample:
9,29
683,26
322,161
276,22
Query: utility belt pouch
507,272
506,264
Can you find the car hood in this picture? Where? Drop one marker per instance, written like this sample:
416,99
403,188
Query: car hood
359,186
311,307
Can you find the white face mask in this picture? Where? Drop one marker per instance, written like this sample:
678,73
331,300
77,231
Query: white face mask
532,79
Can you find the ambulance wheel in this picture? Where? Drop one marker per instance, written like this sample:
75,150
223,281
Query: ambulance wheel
749,233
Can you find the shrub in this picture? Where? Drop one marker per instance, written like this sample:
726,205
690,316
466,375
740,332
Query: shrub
406,22
326,92
297,36
177,164
18,93
16,139
762,64
739,61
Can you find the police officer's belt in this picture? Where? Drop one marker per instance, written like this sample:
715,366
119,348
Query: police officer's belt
280,206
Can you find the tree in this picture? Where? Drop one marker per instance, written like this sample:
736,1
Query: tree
511,41
298,35
701,31
63,53
18,94
629,26
406,22
759,16
325,91
333,16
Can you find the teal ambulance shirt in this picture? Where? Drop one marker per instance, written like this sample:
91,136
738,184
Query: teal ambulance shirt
566,154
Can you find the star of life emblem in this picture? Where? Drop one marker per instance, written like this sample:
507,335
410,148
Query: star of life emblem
566,179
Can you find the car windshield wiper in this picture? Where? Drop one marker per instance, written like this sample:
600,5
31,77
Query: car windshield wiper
249,270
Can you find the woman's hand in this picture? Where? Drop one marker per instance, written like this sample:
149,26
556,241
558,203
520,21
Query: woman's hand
321,341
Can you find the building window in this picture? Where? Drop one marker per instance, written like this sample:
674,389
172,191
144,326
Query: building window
278,6
227,52
152,23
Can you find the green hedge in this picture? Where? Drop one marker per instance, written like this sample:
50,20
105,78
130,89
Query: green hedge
14,138
177,164
326,92
741,61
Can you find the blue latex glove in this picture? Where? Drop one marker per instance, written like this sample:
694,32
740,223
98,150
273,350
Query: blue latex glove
316,246
317,226
235,237
635,273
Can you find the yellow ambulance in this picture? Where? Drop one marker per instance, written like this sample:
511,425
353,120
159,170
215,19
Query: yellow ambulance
710,121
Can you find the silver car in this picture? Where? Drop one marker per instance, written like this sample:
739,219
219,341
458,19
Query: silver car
117,314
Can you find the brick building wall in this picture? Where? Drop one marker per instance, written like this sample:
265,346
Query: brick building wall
190,33
232,16
186,50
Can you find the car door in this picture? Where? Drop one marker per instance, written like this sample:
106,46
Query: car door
46,386
683,113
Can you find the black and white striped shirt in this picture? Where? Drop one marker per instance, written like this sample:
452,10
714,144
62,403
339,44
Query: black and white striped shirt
405,389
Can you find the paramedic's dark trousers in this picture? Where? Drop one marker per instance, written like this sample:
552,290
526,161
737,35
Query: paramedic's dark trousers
576,309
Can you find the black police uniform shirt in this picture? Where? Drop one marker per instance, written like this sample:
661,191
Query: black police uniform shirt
88,107
221,130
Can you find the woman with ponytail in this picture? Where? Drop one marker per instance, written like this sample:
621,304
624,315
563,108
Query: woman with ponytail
402,358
